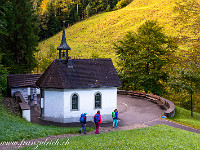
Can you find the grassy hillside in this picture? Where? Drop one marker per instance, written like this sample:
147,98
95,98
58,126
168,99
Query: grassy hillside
183,116
151,138
14,128
95,35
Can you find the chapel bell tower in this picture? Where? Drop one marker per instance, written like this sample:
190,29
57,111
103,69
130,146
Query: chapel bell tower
63,48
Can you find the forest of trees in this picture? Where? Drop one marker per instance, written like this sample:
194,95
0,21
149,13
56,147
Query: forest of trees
52,12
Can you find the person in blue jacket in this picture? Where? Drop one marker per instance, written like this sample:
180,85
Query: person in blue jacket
115,118
83,119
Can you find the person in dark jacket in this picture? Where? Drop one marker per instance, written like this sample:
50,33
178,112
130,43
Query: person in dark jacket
83,124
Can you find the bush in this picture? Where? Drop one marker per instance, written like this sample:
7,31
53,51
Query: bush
89,10
122,3
3,79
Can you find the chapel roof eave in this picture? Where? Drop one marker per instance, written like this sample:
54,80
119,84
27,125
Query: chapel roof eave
22,80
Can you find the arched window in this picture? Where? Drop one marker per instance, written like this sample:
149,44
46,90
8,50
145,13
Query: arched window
75,102
97,100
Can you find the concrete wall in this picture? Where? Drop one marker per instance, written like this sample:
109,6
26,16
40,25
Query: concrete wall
58,104
27,115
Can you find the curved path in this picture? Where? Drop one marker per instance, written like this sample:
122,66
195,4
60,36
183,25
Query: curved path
137,111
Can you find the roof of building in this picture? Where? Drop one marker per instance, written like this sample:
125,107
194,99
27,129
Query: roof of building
86,73
22,80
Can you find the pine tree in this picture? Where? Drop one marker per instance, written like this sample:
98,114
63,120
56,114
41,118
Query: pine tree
22,40
4,11
53,24
142,58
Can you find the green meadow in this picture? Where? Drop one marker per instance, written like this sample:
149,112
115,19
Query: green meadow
183,116
156,137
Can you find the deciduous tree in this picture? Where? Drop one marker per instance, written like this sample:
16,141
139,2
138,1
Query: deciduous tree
143,57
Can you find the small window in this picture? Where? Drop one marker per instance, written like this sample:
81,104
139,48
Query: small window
75,102
98,100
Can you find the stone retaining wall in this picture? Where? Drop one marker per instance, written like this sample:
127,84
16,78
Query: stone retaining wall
162,102
12,105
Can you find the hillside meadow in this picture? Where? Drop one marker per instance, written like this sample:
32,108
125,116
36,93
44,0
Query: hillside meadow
94,37
155,138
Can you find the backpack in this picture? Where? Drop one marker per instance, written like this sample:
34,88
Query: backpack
113,115
82,118
96,118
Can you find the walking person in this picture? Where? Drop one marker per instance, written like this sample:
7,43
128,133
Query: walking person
115,118
83,123
97,121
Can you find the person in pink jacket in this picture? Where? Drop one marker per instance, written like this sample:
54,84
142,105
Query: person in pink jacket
97,121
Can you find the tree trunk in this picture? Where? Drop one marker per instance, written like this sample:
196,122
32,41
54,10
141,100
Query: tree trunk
55,8
191,106
82,10
147,67
77,8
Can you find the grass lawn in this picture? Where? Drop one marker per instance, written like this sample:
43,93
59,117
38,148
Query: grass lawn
14,128
156,137
183,116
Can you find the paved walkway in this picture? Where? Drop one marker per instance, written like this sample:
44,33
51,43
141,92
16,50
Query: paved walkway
137,111
133,113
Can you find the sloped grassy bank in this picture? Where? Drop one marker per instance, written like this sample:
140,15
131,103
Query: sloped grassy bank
14,128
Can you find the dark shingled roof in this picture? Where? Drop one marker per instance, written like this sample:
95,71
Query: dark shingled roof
22,80
86,73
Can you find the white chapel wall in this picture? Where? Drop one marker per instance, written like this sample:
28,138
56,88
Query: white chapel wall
53,104
87,103
57,104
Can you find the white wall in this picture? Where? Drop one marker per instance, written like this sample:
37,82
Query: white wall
55,106
26,114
